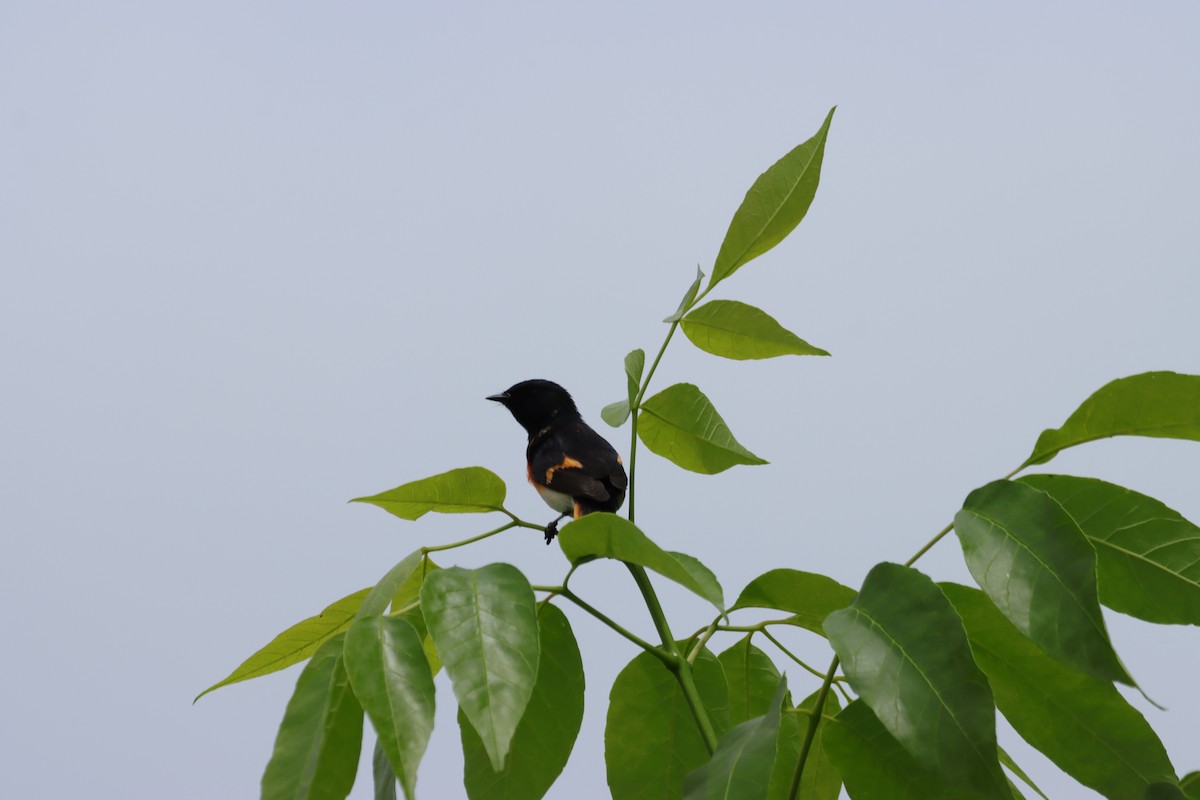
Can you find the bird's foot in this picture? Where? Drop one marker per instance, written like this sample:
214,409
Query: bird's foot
551,531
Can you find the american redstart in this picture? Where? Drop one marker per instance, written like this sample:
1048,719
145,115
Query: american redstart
572,467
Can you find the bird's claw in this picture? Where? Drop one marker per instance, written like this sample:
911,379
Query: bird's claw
551,531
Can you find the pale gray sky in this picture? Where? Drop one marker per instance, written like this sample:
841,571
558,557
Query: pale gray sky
257,259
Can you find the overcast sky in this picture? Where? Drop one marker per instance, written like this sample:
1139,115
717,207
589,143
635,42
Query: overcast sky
259,258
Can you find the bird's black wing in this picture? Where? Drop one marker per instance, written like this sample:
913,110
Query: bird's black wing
577,461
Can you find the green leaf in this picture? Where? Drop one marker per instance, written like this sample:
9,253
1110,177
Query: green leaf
1158,404
875,766
735,330
741,765
1191,785
703,576
317,747
685,303
392,680
752,679
821,779
409,592
905,653
385,591
650,739
547,731
616,413
1147,556
603,535
1030,557
1079,722
808,596
296,643
381,771
1012,766
635,363
408,596
470,490
774,206
416,619
484,624
680,424
1164,790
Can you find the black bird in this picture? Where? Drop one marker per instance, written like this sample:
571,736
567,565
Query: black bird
572,467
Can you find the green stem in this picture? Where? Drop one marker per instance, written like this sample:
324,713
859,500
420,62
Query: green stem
435,548
633,412
677,664
790,655
637,400
518,522
702,639
942,533
661,654
928,545
414,604
810,734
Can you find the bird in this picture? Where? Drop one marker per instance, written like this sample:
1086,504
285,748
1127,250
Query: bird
574,469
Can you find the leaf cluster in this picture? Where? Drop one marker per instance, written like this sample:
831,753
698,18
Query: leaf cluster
919,669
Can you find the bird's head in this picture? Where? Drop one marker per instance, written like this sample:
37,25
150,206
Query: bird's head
537,403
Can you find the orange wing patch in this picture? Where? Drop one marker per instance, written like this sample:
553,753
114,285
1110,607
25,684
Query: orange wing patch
567,463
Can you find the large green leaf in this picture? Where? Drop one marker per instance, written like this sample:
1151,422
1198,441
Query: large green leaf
680,424
741,765
604,535
821,779
296,643
1081,723
392,680
1147,556
905,653
735,330
875,766
752,679
1030,557
774,206
1190,784
484,624
547,731
385,777
318,744
1160,404
470,490
650,740
806,595
616,413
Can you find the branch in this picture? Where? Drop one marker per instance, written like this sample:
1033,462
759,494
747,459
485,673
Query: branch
658,652
810,734
677,664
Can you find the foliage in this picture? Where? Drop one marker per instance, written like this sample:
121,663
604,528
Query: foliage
922,668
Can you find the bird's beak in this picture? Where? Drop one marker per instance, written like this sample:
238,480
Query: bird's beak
503,397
